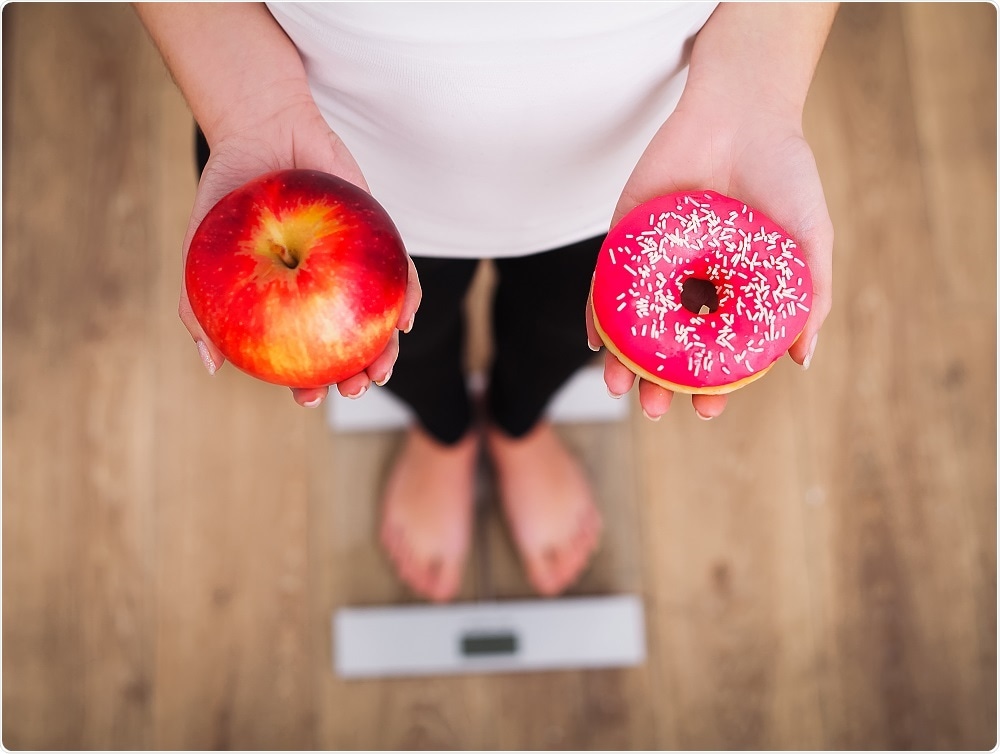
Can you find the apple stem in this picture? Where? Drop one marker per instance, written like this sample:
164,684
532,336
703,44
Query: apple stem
287,258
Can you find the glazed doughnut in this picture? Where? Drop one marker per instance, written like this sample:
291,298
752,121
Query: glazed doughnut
699,293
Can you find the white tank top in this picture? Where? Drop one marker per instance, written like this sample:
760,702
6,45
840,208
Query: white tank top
491,129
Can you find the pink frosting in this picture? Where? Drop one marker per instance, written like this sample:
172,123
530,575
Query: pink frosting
762,282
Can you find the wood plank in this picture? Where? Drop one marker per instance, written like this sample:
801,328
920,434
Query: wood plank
79,445
899,599
956,122
725,568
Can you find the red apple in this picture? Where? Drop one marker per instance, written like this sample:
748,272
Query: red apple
298,277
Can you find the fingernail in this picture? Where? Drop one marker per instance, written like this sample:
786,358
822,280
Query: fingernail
358,394
616,396
652,418
206,357
385,379
313,403
409,325
809,354
592,347
703,417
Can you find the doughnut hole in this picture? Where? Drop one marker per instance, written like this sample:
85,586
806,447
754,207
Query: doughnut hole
699,294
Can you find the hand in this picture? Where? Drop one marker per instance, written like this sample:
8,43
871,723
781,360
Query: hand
294,136
746,152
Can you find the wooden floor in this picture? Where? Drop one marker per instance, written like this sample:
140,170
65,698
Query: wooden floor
818,566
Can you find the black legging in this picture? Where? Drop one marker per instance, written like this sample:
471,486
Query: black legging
539,339
539,336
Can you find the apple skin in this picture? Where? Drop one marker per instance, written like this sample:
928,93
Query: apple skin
298,278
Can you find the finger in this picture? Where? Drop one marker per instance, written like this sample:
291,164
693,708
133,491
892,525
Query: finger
817,246
354,387
211,357
654,399
309,397
380,370
709,406
617,376
594,341
800,207
211,188
411,302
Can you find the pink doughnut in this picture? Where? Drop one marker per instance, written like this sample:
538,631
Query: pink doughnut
655,311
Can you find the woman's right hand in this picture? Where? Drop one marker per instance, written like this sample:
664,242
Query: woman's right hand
294,136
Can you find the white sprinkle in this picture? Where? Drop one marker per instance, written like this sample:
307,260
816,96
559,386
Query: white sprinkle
620,296
622,305
612,253
659,368
661,355
630,270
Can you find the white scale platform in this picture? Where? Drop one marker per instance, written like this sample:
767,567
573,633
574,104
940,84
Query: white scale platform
489,636
583,399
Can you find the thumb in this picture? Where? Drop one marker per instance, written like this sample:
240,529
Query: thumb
210,355
209,192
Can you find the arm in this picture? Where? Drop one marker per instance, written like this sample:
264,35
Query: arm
232,61
738,130
246,85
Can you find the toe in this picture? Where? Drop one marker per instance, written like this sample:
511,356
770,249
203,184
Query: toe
403,559
389,537
541,571
425,576
445,582
594,522
554,572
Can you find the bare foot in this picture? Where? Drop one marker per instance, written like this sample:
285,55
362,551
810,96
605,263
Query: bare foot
427,513
548,505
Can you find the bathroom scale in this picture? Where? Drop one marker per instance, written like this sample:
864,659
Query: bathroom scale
489,637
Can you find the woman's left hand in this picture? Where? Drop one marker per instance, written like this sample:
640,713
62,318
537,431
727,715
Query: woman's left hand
750,154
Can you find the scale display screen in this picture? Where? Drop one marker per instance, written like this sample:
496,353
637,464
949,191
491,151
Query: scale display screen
480,645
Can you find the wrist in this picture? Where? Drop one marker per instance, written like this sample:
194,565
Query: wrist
233,62
724,111
253,112
755,60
